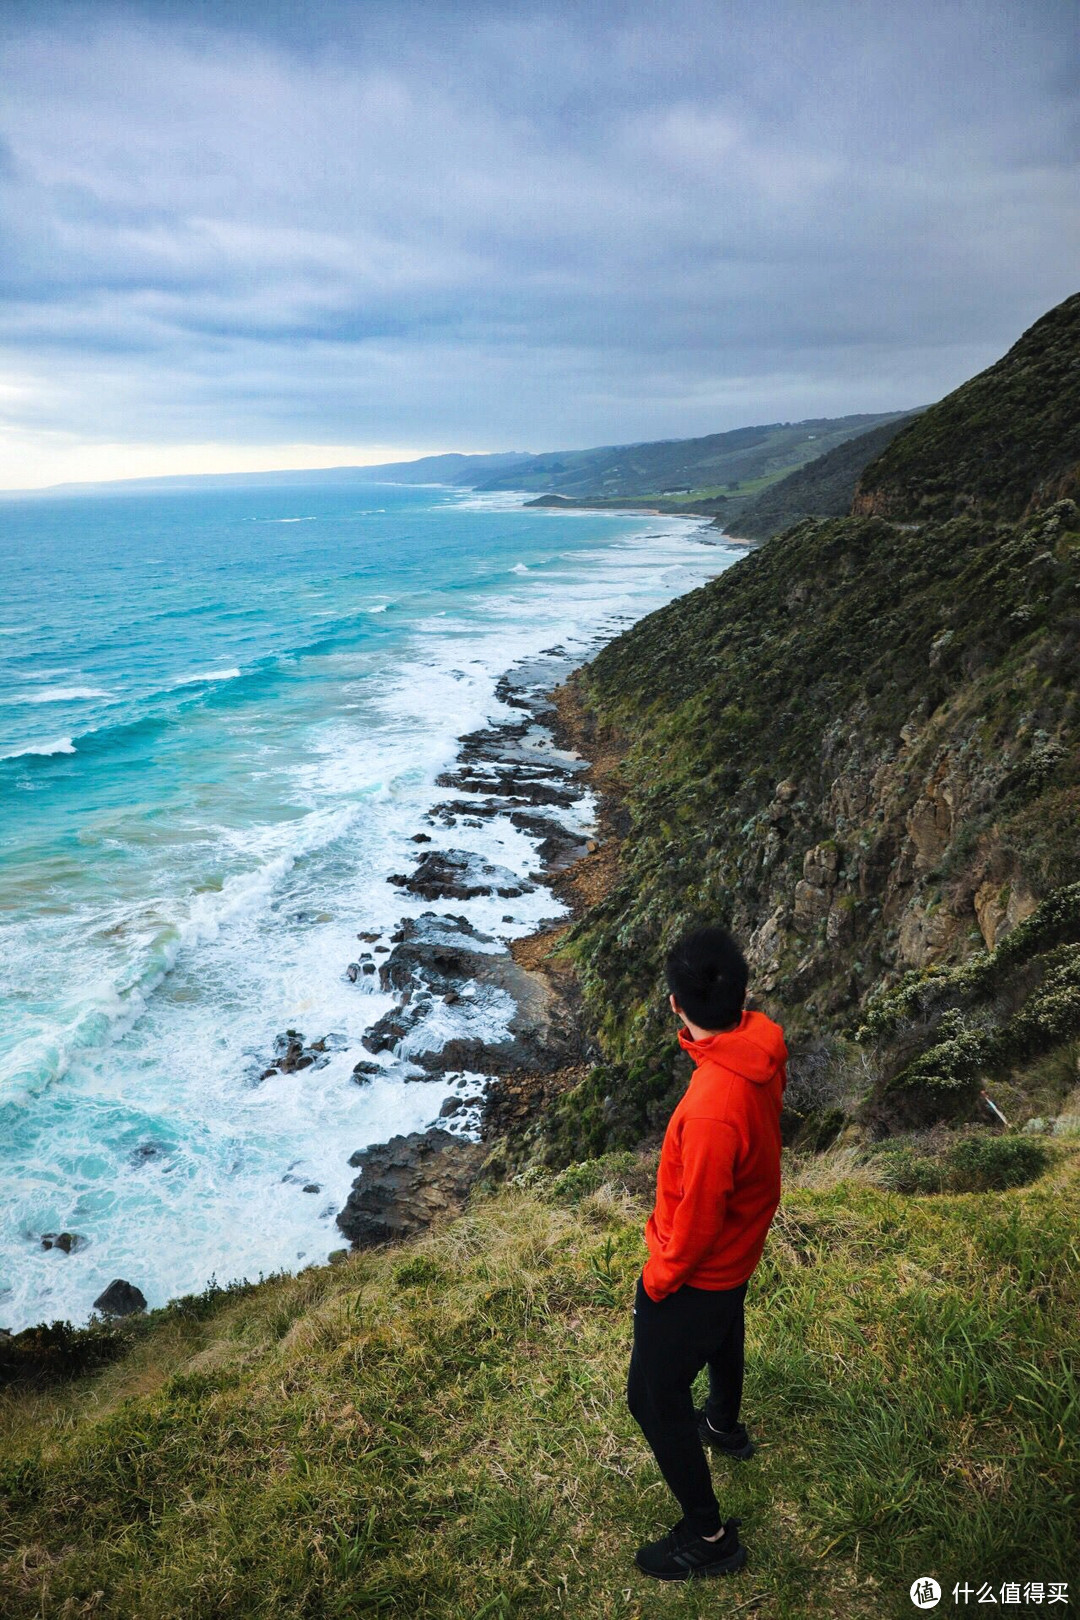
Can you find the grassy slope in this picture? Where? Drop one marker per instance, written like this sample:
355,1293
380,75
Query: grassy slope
1008,437
440,1431
823,487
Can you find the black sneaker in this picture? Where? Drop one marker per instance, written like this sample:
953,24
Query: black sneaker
682,1555
732,1442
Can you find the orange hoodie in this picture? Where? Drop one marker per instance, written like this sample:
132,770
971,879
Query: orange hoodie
718,1185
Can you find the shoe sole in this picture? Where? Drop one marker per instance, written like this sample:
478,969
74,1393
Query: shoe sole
723,1566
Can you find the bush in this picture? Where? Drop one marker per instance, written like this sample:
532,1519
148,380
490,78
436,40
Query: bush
634,1172
981,1163
992,1163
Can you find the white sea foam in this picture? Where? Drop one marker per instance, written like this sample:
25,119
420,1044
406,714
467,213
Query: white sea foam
200,676
62,694
60,745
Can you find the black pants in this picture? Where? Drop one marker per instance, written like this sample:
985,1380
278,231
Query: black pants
690,1329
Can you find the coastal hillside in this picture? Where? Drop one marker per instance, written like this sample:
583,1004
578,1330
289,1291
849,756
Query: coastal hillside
439,1431
824,487
860,747
1005,443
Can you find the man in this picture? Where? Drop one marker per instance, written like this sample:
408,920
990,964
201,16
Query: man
717,1190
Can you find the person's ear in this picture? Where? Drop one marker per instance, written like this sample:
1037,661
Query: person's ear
676,1009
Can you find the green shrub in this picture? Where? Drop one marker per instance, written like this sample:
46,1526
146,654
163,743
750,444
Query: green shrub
904,1170
992,1163
577,1181
417,1270
981,1163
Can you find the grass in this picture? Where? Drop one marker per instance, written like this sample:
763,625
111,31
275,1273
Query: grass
440,1431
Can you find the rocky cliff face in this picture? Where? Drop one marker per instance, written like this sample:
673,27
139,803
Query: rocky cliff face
860,748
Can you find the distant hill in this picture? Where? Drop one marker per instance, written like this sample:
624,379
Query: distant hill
467,471
721,468
1005,443
720,464
824,487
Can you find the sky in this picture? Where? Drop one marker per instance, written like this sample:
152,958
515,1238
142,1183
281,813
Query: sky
276,233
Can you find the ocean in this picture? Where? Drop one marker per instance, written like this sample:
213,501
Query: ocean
222,717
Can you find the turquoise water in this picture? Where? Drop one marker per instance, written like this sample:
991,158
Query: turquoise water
221,718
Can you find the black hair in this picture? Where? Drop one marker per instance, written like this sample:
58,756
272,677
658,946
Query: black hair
707,975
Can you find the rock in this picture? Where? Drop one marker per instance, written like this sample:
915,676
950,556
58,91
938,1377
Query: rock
930,824
312,1187
926,935
391,1028
144,1152
337,1257
810,905
120,1299
291,1055
458,874
369,939
352,972
1000,906
407,1183
364,1072
435,953
420,838
821,864
66,1242
452,1105
511,786
557,846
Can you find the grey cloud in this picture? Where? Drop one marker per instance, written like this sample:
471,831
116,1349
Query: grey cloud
504,226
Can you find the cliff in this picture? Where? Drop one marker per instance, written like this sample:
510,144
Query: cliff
860,748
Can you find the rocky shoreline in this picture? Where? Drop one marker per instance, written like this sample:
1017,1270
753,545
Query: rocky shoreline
527,772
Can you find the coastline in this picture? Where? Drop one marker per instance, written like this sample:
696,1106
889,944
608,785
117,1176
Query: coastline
406,1184
409,1183
494,1084
586,503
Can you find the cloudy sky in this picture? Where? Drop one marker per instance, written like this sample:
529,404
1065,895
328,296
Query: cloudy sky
303,232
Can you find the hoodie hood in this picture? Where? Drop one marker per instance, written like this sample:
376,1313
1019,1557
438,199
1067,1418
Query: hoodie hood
754,1049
